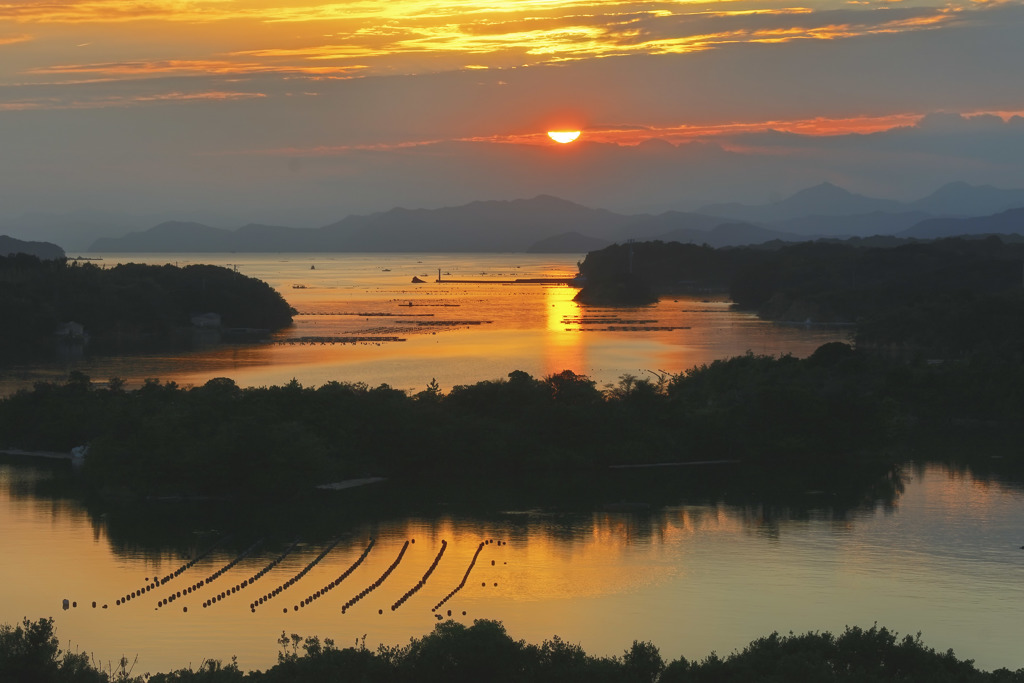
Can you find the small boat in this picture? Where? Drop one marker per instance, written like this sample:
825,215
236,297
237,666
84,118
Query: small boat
417,281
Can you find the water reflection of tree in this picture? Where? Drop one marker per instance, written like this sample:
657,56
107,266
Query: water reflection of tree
644,504
984,452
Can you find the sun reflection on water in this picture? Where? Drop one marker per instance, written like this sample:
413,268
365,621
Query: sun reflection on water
564,349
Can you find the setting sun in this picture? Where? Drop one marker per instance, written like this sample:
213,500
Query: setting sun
563,136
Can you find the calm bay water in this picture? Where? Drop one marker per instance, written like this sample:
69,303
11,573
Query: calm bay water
693,575
454,333
942,558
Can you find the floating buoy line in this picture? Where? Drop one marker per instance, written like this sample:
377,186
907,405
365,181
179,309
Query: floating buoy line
176,595
465,577
351,339
293,580
309,599
156,583
422,582
199,584
376,584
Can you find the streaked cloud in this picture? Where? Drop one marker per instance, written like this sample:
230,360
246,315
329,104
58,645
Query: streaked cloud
177,67
12,39
110,11
126,100
434,102
419,36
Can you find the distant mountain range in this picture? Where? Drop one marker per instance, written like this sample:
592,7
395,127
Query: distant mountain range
826,200
550,224
543,223
1007,222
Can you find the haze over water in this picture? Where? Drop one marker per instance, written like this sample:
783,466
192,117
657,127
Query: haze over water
454,333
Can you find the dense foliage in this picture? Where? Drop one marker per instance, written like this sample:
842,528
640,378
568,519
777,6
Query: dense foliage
128,304
455,653
951,298
31,653
221,439
837,410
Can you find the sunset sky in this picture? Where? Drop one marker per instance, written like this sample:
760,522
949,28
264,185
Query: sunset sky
303,111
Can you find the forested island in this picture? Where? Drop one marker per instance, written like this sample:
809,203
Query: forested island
127,306
951,298
838,413
455,653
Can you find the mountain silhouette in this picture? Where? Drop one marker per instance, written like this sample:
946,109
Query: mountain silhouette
520,225
824,199
42,250
1005,223
567,243
961,199
478,226
169,236
546,222
829,210
857,225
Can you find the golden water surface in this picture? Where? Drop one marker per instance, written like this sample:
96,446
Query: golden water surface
692,578
361,319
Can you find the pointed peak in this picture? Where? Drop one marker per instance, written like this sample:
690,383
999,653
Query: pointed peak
825,189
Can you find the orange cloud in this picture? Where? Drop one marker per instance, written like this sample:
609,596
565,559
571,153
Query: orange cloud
11,40
538,31
636,135
179,67
110,11
126,101
343,40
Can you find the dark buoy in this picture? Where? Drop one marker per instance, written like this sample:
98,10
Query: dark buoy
184,609
380,611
